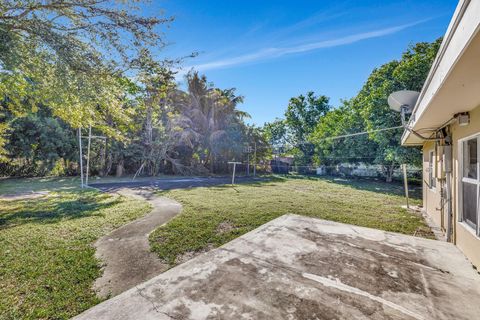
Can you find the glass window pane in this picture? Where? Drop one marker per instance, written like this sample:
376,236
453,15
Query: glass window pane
470,203
470,158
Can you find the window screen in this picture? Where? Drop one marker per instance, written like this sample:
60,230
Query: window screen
470,159
470,203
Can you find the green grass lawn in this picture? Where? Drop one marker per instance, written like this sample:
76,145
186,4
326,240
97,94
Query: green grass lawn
12,186
215,215
47,263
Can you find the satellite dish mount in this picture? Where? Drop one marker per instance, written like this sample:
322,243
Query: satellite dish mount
403,101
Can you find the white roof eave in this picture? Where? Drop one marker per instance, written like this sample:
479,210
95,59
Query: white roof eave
461,30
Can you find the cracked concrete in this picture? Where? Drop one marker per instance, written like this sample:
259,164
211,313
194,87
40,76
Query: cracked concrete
125,252
297,267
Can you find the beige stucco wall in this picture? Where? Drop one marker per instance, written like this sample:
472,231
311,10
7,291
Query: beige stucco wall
463,236
431,196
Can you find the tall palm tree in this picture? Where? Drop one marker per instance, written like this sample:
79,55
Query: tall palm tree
205,115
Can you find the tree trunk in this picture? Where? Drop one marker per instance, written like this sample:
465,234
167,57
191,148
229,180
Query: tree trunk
211,162
148,152
103,153
109,163
389,173
119,172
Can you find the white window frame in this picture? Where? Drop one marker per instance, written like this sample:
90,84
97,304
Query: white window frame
432,182
462,179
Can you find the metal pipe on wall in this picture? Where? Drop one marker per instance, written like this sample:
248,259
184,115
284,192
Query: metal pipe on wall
442,190
447,153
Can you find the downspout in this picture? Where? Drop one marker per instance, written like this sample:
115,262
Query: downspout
442,187
447,154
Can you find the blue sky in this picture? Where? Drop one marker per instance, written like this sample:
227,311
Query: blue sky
273,50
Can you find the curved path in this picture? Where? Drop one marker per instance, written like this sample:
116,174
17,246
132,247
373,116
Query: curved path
126,253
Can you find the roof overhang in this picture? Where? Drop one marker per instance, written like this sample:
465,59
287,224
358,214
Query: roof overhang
453,84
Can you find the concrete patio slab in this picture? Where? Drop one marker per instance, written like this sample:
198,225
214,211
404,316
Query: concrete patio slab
296,267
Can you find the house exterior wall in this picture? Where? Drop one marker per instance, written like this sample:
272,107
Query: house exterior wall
463,236
431,196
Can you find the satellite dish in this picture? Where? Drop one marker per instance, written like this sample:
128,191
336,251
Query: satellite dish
404,99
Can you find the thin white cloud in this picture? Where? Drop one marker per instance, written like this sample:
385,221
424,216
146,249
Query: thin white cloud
271,53
314,20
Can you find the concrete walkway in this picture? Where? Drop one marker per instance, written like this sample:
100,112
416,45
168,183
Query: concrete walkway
303,268
125,252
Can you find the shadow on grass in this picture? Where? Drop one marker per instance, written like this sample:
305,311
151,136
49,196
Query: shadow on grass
213,184
222,184
25,185
367,184
52,209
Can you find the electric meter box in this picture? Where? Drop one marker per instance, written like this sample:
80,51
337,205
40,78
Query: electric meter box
447,158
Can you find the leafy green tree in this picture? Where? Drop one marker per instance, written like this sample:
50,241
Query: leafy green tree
338,122
209,119
369,111
255,137
302,116
156,84
371,103
38,142
69,55
277,134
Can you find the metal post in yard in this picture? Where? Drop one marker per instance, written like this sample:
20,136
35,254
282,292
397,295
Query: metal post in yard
81,155
405,181
234,168
248,149
89,137
88,154
233,175
255,160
